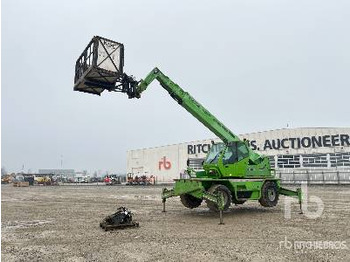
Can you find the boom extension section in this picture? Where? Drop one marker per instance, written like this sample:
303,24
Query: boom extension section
189,103
186,101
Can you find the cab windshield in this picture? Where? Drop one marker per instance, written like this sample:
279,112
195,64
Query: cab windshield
214,153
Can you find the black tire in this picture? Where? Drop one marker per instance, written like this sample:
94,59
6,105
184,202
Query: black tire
190,201
269,194
214,189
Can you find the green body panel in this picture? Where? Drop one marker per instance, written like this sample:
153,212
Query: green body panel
240,169
186,186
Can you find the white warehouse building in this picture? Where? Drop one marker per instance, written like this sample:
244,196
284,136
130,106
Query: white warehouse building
290,150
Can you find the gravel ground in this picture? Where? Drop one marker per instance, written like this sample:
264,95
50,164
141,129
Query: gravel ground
61,223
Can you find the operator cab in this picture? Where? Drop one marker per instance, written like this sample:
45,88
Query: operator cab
232,152
226,159
235,152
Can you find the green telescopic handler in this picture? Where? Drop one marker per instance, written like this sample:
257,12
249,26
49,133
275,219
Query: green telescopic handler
232,171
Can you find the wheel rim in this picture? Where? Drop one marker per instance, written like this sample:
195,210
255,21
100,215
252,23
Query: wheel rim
271,194
225,197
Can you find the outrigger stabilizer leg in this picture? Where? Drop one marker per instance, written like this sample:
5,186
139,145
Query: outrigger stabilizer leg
163,200
218,199
221,218
166,193
221,207
300,198
298,193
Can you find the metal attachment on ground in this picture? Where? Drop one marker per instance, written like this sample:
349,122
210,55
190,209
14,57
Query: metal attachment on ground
119,220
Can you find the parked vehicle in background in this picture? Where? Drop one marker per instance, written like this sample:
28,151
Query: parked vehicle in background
6,179
107,180
97,179
81,179
144,180
113,180
42,180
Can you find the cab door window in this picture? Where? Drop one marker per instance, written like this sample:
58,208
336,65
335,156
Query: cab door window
235,152
242,151
230,155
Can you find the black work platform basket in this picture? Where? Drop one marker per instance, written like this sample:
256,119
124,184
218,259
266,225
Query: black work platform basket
99,67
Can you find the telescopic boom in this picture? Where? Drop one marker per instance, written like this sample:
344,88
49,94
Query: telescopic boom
188,102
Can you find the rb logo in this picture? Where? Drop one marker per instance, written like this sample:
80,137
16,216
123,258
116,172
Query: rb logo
164,163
